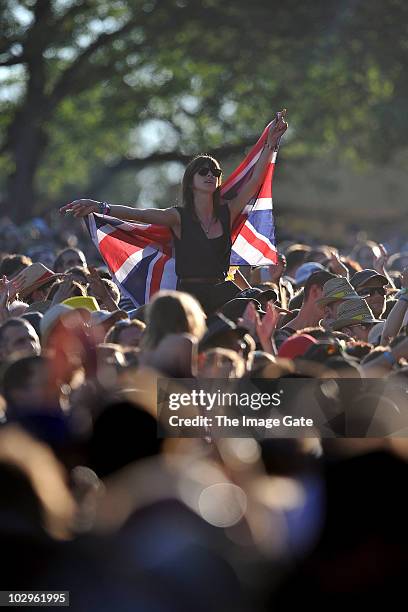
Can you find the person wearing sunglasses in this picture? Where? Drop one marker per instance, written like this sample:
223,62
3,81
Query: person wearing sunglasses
372,286
201,226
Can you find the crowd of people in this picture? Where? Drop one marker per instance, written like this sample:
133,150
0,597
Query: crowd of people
94,502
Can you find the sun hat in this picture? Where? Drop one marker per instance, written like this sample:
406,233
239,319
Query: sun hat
33,277
85,302
337,288
353,312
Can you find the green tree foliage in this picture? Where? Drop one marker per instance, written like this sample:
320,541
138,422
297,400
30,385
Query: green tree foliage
84,81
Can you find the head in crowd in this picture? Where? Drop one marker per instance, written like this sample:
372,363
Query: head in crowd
296,255
196,179
221,363
371,285
73,287
172,312
355,319
17,335
320,254
335,292
363,252
311,311
126,332
113,291
224,333
305,270
13,264
79,274
28,386
34,318
68,258
101,322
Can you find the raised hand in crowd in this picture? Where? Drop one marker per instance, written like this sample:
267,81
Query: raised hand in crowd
380,259
249,319
336,266
98,290
81,208
266,326
8,292
277,129
395,318
63,292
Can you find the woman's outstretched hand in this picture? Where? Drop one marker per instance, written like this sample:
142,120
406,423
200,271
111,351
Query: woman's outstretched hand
80,208
277,129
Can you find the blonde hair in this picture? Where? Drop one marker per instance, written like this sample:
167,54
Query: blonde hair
172,312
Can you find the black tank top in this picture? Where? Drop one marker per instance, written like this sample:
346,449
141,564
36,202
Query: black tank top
199,256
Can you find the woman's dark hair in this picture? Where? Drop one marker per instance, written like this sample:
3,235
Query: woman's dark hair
187,184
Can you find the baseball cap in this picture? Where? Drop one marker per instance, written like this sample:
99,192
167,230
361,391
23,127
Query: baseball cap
262,295
305,270
235,308
216,326
296,346
368,278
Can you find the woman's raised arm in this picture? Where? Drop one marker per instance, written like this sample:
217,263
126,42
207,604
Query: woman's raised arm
168,217
277,129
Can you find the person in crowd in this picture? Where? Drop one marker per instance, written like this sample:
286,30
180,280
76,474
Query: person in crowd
13,264
335,292
355,319
68,258
202,225
126,332
372,286
175,323
18,336
221,363
311,312
295,255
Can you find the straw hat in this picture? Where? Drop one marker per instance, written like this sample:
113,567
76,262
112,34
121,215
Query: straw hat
336,289
354,312
33,277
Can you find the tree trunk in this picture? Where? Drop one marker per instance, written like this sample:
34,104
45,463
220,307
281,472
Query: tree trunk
27,146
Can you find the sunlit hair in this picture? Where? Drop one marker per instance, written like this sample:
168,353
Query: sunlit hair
187,184
172,312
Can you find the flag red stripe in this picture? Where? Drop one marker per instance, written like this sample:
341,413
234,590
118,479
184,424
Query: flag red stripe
257,243
157,274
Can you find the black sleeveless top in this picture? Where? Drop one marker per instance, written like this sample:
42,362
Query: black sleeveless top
199,256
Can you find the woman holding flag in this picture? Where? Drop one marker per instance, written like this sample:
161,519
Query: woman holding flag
202,226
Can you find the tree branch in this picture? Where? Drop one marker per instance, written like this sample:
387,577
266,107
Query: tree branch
107,173
13,61
64,83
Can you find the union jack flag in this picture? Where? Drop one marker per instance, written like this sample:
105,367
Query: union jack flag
140,257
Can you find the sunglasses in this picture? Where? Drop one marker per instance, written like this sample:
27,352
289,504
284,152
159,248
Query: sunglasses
372,291
214,171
